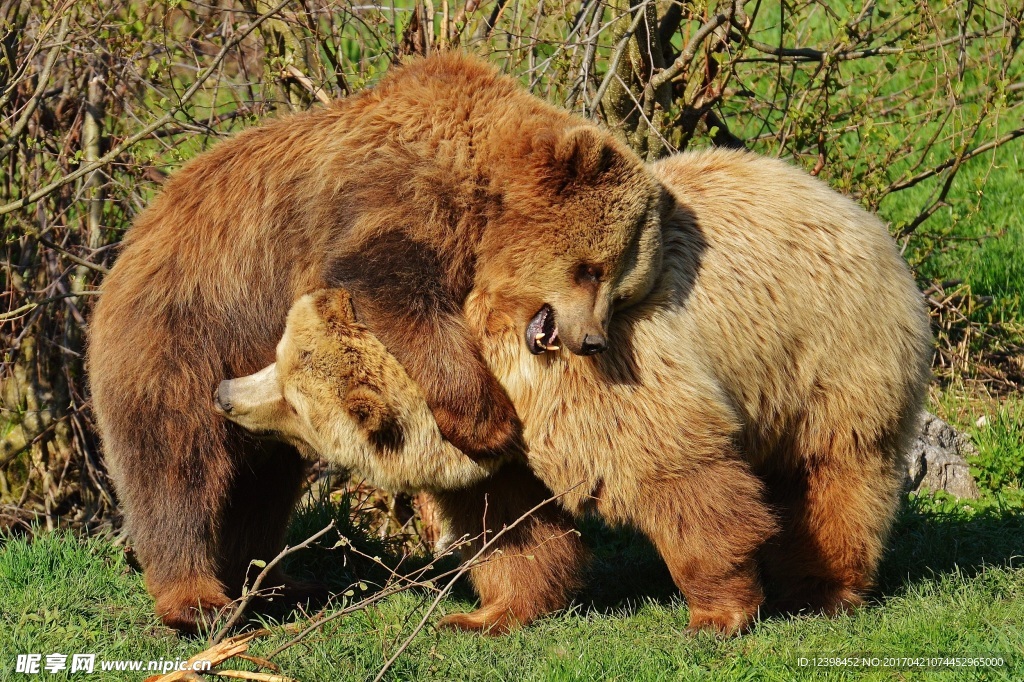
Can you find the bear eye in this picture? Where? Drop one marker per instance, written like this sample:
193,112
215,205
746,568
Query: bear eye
588,274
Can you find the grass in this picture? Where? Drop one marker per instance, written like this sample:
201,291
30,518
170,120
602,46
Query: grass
951,586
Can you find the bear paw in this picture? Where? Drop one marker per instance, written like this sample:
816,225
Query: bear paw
191,614
727,622
490,620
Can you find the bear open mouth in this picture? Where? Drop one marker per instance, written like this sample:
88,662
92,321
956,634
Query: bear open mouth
542,332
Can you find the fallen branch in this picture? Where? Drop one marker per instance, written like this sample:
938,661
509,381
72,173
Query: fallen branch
216,654
246,675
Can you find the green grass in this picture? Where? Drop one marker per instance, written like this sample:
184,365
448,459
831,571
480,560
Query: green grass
951,585
979,239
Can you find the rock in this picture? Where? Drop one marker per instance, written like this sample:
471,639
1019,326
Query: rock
937,460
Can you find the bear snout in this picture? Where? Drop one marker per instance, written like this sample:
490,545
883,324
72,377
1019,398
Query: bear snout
593,344
221,398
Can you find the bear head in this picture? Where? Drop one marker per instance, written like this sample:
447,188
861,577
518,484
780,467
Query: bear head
593,245
335,392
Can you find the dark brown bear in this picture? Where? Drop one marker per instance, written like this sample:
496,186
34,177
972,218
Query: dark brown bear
442,179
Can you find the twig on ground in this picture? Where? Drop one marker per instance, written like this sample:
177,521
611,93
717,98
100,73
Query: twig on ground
466,566
216,654
254,592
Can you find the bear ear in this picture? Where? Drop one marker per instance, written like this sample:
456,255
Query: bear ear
369,409
335,308
581,155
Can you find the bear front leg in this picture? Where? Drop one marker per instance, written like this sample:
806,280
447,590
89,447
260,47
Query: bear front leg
410,296
440,354
532,569
708,524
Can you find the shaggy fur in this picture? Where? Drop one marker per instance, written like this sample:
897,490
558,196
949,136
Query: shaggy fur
770,381
445,175
748,418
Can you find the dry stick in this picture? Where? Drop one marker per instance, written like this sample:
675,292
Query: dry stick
466,566
19,74
255,590
246,675
594,32
33,102
72,257
980,149
30,231
261,662
28,307
689,52
148,130
395,589
369,601
460,21
307,83
445,28
352,608
541,68
216,654
959,159
810,54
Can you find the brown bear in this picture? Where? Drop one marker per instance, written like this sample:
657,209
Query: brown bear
748,417
412,194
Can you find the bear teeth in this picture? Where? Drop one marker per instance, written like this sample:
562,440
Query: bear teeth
542,332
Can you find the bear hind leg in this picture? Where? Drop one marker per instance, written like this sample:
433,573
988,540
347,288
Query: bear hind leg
836,510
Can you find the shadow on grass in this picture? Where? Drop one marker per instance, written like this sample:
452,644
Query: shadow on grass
930,538
934,537
350,560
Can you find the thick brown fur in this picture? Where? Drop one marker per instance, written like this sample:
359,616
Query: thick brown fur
410,195
770,381
748,417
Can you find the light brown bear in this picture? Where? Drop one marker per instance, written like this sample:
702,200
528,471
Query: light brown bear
444,178
748,417
335,393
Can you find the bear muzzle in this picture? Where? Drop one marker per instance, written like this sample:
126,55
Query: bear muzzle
249,395
543,334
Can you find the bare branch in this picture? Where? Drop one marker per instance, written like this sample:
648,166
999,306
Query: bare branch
148,130
239,609
44,80
466,566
